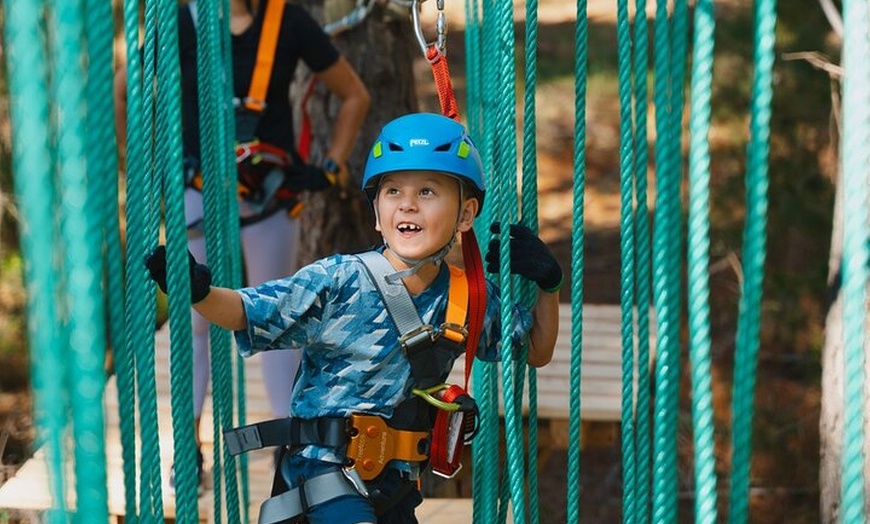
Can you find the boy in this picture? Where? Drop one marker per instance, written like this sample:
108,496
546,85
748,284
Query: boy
425,180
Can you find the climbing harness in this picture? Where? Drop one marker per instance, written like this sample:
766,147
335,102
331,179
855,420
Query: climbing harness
431,353
372,442
261,167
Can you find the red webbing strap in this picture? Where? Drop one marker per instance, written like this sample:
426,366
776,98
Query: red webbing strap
305,133
256,100
476,297
448,439
441,72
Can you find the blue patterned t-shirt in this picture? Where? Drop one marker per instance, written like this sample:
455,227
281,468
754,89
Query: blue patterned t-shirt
352,361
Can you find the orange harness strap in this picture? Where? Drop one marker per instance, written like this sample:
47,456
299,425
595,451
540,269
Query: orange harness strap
256,100
441,73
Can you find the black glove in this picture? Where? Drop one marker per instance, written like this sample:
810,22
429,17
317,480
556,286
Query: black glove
307,177
530,257
200,275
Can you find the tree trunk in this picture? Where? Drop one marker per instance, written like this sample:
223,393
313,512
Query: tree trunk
382,50
831,416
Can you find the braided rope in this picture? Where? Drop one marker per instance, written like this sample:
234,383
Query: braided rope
641,486
754,251
34,190
698,264
528,290
504,203
854,165
577,262
481,82
667,361
626,236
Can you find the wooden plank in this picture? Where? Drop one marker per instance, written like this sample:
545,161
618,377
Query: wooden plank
600,368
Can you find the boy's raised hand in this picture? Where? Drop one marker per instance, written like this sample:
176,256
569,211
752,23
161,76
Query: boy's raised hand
530,257
200,275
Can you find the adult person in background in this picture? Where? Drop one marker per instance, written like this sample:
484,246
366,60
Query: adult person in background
272,174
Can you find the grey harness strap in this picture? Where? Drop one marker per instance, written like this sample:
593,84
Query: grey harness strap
397,300
295,502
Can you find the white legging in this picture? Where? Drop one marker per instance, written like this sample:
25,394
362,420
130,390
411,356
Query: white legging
269,248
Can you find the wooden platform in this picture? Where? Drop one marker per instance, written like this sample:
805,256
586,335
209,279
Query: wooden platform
600,401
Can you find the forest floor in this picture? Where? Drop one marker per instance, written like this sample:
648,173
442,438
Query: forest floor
786,446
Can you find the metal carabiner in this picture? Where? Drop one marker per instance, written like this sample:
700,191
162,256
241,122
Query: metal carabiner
440,43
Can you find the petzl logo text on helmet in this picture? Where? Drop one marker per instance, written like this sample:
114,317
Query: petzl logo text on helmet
419,142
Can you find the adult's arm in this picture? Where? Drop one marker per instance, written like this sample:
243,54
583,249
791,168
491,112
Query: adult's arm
342,81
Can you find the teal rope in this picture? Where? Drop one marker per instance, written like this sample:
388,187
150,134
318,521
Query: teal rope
626,236
80,233
504,204
102,141
168,155
577,245
32,161
854,158
667,377
754,251
530,218
481,86
642,262
679,46
138,285
698,264
218,165
151,496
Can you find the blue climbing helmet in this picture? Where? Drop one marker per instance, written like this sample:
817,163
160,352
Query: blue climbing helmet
425,142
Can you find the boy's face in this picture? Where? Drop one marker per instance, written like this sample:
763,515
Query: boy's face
418,212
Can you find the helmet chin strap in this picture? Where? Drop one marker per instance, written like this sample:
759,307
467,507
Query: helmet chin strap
416,264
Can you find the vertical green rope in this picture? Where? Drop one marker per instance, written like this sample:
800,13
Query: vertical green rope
142,182
103,145
221,229
577,244
626,237
699,263
854,167
642,271
167,152
529,208
666,266
32,161
480,95
754,250
138,285
81,233
504,203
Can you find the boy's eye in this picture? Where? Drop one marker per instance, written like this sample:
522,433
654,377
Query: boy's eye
427,191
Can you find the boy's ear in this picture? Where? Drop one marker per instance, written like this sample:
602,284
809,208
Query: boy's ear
469,211
377,215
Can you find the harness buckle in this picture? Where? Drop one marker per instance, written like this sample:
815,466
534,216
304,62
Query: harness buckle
454,332
413,338
243,439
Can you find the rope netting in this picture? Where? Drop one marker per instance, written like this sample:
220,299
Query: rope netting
59,59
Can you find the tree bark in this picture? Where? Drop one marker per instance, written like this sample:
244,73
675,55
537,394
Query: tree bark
831,415
382,50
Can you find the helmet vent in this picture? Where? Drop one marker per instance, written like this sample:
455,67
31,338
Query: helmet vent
395,147
443,147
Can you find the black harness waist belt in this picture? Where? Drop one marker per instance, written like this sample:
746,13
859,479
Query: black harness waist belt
324,431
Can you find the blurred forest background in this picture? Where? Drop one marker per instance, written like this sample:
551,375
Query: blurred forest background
802,173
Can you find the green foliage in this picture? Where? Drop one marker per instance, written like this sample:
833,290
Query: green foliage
13,342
